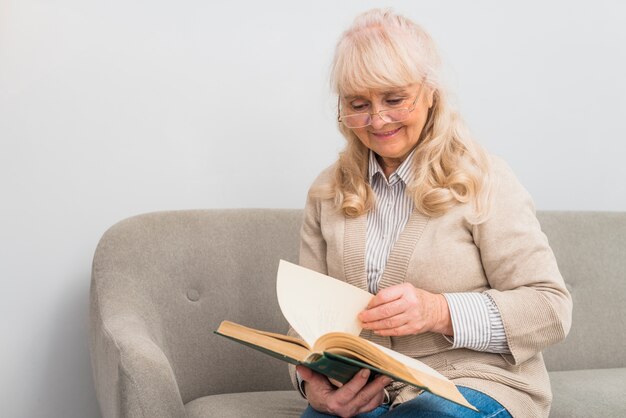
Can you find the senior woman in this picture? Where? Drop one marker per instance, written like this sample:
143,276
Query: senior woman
441,233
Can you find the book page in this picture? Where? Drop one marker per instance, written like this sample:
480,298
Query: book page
409,361
315,304
266,342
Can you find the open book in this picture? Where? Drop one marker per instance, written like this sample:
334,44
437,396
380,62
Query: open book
323,311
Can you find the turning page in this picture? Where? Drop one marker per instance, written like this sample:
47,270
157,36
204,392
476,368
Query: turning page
315,304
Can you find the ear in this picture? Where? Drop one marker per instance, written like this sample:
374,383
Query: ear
430,96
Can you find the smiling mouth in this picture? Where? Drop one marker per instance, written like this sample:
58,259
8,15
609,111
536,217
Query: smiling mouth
387,134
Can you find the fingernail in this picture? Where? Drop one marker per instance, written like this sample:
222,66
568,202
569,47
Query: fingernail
365,373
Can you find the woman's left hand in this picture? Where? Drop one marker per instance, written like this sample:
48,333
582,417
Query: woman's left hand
405,310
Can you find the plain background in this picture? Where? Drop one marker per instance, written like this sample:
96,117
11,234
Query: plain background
114,108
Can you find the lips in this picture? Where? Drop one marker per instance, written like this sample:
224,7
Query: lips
386,134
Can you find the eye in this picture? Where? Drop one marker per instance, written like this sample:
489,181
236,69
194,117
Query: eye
395,101
358,106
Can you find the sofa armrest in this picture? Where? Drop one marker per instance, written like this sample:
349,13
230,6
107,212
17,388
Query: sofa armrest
132,374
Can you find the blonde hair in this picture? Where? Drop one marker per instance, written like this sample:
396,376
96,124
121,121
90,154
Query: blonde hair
384,50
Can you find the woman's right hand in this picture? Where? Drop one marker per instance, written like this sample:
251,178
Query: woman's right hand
355,397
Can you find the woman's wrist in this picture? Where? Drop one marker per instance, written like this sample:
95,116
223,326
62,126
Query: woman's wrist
443,324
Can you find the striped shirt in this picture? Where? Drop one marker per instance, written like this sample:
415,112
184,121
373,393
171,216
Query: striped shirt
476,321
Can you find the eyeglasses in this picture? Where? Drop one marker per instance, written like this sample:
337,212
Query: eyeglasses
361,120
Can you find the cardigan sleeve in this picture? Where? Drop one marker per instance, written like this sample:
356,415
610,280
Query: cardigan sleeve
312,243
525,281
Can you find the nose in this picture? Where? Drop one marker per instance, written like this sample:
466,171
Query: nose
377,122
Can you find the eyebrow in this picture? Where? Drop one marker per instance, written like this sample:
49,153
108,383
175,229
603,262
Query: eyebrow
383,93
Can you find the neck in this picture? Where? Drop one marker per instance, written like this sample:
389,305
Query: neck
389,165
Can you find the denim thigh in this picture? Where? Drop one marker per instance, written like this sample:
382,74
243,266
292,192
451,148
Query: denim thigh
428,405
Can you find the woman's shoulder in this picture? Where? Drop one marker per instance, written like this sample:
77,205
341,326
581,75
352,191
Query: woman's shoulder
326,176
322,186
508,193
502,173
321,191
499,166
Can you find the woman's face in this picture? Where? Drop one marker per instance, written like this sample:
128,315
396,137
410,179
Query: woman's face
392,141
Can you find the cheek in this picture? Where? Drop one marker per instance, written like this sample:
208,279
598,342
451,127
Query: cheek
415,128
362,135
415,131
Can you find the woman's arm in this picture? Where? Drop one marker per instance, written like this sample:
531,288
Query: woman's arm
525,281
312,243
528,306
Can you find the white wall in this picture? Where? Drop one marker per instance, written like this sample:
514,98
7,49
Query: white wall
114,108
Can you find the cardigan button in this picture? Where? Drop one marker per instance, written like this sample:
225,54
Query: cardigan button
193,295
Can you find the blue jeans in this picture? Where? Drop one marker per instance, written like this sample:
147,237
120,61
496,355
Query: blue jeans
428,405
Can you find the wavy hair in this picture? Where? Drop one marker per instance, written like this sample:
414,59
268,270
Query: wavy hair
384,50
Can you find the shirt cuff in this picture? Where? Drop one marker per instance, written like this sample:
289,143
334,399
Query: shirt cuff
498,343
476,323
470,320
386,398
300,385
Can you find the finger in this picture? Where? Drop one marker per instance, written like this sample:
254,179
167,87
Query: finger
374,403
304,372
371,395
380,382
389,323
405,329
387,295
382,312
312,378
347,392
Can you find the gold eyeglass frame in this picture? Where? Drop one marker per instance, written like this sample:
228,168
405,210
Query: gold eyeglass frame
380,113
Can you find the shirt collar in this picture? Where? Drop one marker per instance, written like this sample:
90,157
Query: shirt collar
404,172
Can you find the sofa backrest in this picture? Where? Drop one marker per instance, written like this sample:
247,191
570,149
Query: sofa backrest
189,270
590,248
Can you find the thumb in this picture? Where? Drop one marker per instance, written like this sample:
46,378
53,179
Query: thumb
310,376
304,372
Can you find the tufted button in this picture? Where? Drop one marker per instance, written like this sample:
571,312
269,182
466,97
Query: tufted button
193,295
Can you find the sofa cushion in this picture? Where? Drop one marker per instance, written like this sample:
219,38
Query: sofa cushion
588,393
577,393
272,404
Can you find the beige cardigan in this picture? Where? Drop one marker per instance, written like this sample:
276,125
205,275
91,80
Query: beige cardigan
508,256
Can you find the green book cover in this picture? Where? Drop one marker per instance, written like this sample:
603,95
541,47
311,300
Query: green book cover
334,366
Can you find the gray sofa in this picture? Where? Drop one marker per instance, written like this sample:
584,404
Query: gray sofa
162,282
